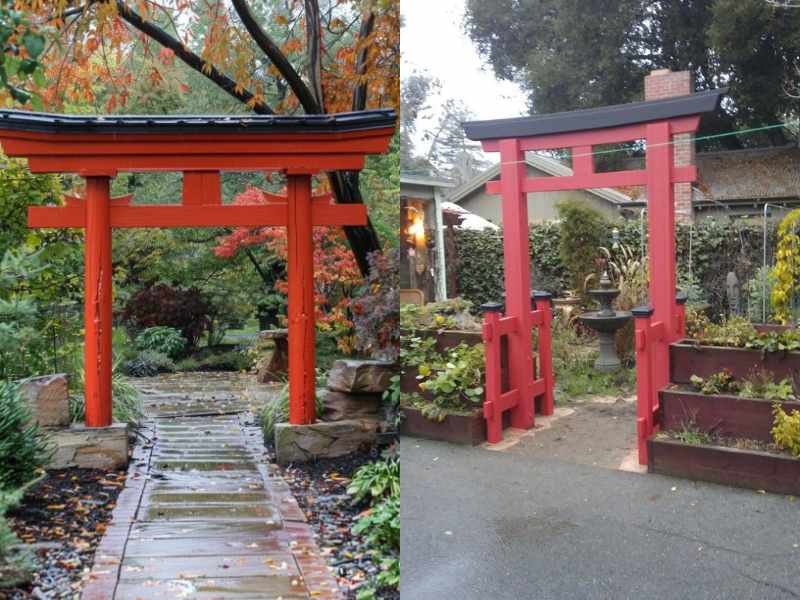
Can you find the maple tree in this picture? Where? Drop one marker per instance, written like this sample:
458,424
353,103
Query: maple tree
336,273
279,56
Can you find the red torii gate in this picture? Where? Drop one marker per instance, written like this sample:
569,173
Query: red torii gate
657,325
99,147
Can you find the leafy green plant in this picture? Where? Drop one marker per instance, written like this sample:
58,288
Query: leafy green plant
277,411
162,339
717,383
375,481
456,383
391,398
148,363
24,447
763,385
16,559
733,331
786,429
454,313
126,402
416,351
380,527
775,341
689,434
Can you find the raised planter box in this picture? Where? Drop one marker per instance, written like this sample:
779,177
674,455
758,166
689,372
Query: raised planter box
753,469
727,416
459,429
688,358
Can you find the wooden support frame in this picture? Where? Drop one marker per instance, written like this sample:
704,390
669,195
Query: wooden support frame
656,326
98,148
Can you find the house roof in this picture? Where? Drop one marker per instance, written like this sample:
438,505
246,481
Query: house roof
596,118
537,161
17,120
758,173
739,175
424,179
467,219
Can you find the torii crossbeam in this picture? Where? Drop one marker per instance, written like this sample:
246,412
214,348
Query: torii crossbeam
99,147
657,325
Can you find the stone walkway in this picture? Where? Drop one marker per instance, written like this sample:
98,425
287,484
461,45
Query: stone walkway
203,514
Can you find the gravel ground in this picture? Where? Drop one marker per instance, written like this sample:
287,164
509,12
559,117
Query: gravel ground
321,491
63,517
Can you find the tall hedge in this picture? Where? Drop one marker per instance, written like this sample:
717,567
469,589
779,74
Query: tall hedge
717,247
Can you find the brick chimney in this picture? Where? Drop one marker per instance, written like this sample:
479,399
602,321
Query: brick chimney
663,83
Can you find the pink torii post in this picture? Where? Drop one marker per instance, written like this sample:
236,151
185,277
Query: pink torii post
658,325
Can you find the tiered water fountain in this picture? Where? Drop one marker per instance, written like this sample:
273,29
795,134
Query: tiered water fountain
606,322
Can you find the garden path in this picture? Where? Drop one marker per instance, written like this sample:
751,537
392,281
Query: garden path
599,431
204,515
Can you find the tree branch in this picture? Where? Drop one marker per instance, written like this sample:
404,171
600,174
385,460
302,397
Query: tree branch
274,54
360,92
314,45
191,59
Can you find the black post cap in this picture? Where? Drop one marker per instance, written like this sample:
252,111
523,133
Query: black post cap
540,295
642,312
681,297
492,307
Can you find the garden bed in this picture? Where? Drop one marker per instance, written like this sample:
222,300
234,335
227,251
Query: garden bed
62,518
320,488
741,467
720,414
688,358
466,428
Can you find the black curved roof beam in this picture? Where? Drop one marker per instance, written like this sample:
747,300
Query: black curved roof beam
596,118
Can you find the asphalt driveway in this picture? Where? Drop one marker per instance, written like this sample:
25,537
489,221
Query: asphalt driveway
482,525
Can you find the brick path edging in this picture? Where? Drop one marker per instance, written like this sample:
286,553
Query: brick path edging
102,579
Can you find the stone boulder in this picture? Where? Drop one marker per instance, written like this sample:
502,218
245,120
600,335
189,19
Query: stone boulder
361,376
48,398
90,447
302,443
339,406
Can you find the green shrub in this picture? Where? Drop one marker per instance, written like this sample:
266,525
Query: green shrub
161,339
717,247
24,447
16,559
583,231
786,429
277,411
232,360
381,530
375,481
148,363
126,402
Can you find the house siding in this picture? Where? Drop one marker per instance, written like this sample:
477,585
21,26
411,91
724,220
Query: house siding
541,205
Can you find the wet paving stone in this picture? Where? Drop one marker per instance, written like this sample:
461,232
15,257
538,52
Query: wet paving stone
203,588
210,520
206,512
192,567
264,543
245,532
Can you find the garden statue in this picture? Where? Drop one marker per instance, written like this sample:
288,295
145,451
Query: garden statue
605,322
732,292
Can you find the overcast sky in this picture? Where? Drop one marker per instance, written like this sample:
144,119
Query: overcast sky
433,41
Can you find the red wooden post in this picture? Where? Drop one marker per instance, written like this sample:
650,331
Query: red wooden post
543,302
97,302
644,378
517,278
492,411
302,336
661,230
